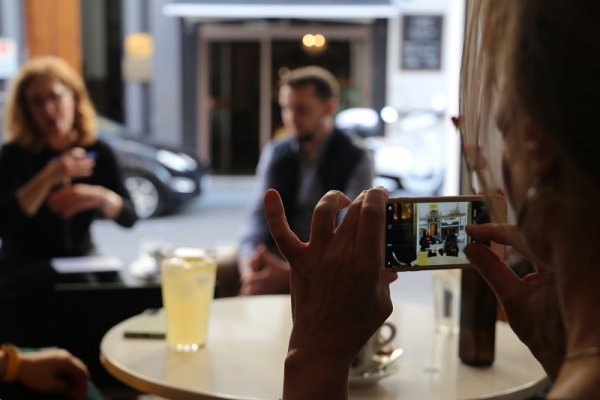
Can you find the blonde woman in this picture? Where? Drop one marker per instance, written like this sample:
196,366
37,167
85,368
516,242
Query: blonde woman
530,82
56,177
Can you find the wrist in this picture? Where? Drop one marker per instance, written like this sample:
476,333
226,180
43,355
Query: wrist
10,361
309,375
107,199
551,363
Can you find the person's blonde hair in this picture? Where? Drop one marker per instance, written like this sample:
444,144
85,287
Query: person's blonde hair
19,126
542,57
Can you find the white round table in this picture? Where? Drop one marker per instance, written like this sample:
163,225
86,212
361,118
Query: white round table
247,345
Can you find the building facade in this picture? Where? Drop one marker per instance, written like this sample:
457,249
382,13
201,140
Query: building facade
204,73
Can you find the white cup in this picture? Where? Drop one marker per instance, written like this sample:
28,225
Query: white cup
363,361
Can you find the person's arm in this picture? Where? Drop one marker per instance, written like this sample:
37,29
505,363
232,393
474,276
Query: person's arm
72,164
116,203
255,228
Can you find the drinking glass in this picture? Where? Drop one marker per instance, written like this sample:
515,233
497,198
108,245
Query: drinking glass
188,284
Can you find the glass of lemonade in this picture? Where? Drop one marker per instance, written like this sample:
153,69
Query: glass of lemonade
422,258
188,284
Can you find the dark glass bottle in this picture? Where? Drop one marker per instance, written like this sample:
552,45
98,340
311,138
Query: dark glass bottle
478,313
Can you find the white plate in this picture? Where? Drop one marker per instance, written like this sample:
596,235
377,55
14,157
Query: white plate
372,377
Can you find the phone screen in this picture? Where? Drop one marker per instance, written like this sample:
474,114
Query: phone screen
430,235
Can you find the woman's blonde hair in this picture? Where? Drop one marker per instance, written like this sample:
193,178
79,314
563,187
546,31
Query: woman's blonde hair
542,57
21,129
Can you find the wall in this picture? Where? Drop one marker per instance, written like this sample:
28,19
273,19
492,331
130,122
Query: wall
154,109
413,90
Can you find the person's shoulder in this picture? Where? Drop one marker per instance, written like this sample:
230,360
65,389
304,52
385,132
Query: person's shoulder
350,140
281,146
281,141
13,150
99,145
101,148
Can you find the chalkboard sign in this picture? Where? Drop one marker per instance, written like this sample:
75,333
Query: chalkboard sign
422,42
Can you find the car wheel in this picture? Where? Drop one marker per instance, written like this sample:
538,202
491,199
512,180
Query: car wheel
146,195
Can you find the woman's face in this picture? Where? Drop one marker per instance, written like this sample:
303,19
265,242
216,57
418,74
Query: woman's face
52,106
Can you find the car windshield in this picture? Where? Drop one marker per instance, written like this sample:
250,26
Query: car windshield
111,127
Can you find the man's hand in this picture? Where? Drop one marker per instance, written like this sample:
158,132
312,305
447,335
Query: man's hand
266,273
531,303
72,200
54,371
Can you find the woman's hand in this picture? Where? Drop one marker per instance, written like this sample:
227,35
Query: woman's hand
54,371
72,200
73,163
531,303
340,292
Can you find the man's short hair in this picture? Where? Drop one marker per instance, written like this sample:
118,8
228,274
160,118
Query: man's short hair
326,86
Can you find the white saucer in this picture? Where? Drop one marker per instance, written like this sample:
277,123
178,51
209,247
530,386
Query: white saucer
370,378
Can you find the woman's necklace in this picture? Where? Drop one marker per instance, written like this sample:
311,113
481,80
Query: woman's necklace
589,352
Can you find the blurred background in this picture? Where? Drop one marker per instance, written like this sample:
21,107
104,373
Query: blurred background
187,91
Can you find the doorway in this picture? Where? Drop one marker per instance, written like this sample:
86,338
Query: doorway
240,69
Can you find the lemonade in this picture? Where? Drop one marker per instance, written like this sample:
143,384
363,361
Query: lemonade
422,258
188,284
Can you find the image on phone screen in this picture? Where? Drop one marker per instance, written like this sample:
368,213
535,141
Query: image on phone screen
425,235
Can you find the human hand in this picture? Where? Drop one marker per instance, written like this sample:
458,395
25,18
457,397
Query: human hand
340,293
73,163
267,274
71,200
54,371
530,303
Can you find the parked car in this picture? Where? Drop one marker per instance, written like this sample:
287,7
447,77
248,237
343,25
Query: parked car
410,157
159,178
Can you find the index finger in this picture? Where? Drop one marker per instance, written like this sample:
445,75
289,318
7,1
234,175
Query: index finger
323,220
371,222
503,281
506,234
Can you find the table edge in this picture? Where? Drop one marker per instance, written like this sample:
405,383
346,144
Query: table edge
151,386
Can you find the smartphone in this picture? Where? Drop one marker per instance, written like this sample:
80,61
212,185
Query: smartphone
428,233
148,325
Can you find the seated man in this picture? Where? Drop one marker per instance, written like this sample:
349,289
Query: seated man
314,158
450,244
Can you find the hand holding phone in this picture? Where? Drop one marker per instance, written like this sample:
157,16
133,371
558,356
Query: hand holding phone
429,233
